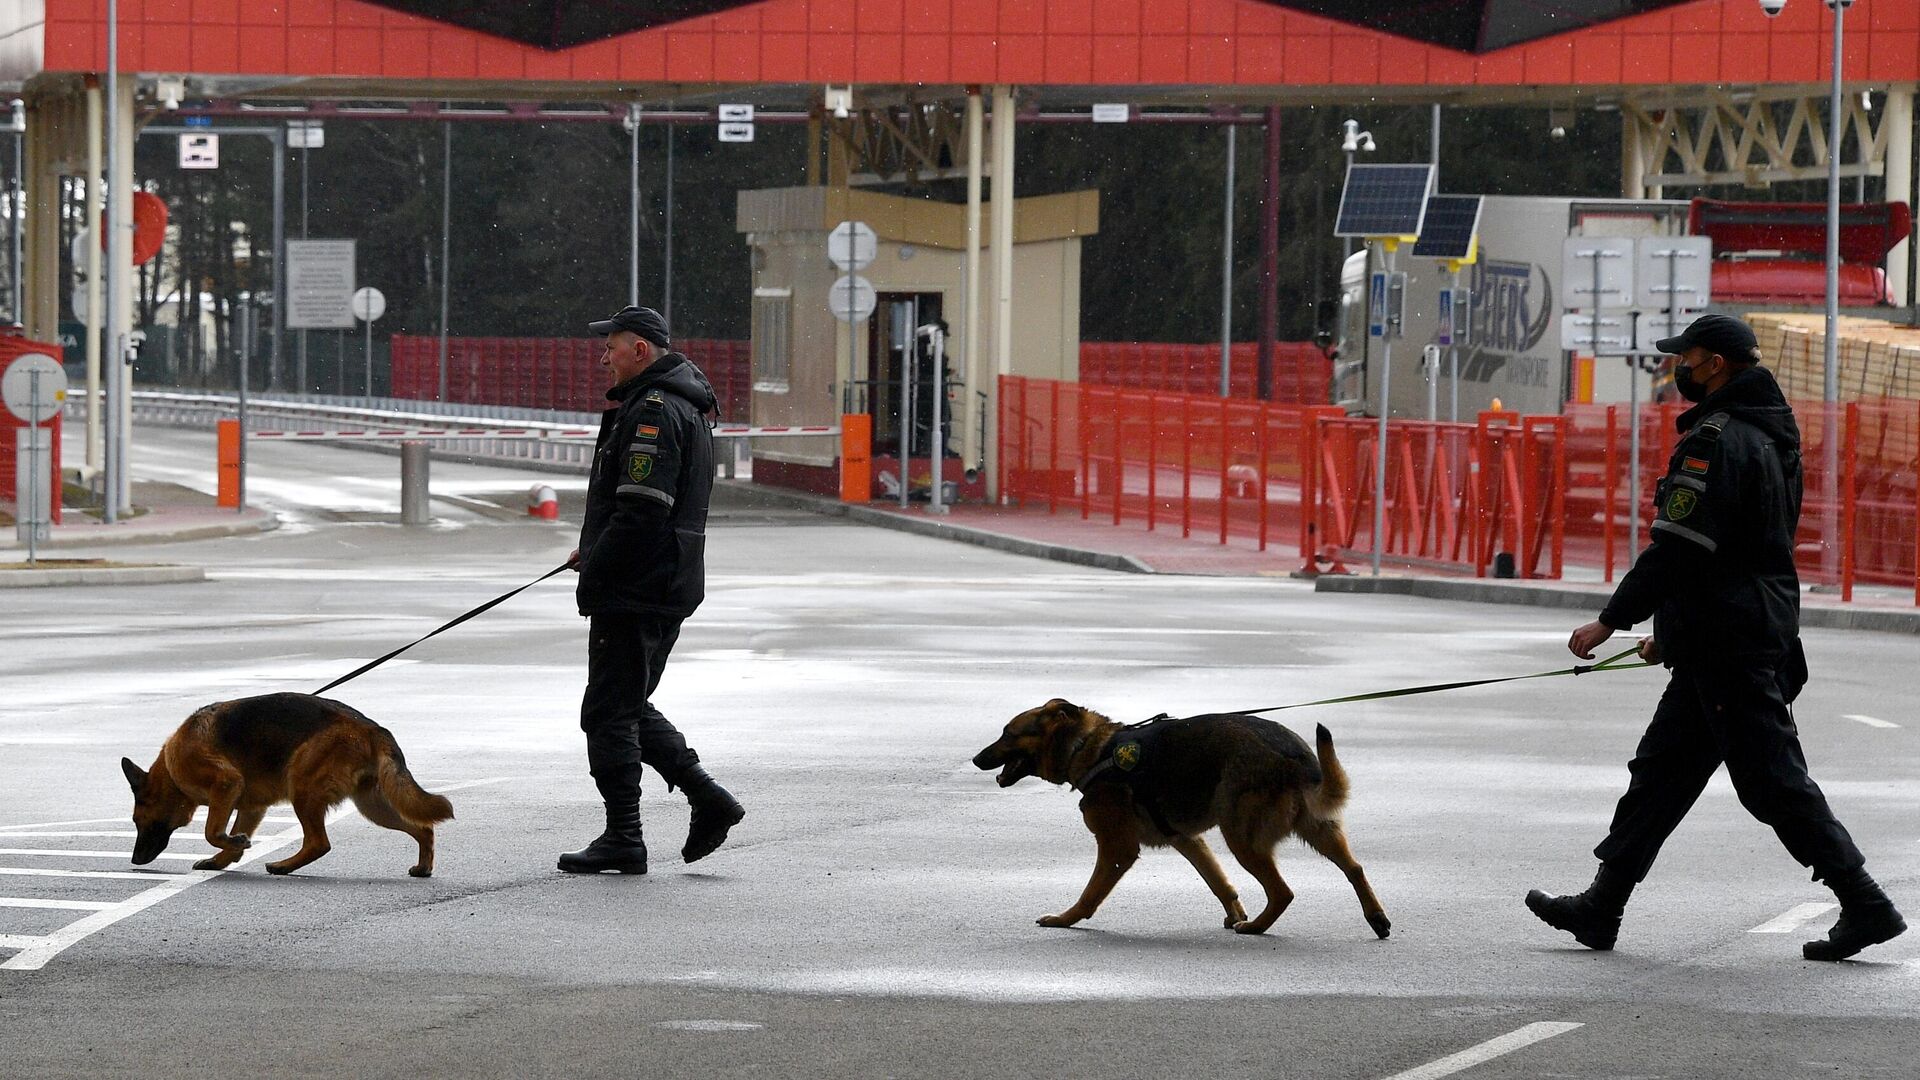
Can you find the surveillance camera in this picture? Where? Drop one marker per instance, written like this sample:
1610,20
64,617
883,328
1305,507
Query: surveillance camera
1366,141
1772,7
170,89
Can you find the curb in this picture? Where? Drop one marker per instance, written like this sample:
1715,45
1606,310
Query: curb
258,522
939,530
106,575
1547,596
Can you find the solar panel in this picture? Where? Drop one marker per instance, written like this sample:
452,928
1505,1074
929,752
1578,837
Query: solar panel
1384,200
1449,228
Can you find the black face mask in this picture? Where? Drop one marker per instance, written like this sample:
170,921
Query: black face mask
1687,386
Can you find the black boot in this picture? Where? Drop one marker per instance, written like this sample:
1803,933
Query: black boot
619,848
1593,916
1867,917
714,812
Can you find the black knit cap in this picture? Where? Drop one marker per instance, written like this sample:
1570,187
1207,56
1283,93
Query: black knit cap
645,322
1724,334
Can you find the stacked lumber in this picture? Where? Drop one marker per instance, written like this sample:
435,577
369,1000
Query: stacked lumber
1877,358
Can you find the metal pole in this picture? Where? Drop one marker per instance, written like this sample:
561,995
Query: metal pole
446,248
906,399
1269,259
279,322
16,216
1346,242
306,143
935,505
1380,457
243,384
1226,275
31,506
666,298
1453,352
1633,456
1433,151
1830,525
116,374
633,204
369,383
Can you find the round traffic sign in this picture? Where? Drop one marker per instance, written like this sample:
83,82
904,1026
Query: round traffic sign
369,304
18,387
852,245
851,298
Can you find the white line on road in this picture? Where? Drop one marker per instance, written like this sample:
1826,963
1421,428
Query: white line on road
67,853
64,905
472,783
1487,1051
1796,917
51,824
21,941
1870,721
21,871
125,833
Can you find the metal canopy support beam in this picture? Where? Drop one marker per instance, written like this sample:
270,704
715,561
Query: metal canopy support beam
970,328
1748,141
1898,123
96,445
1002,246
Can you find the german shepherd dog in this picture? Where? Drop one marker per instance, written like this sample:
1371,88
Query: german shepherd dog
245,755
1165,782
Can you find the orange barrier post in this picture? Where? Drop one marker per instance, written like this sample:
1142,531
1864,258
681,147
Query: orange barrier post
856,458
228,442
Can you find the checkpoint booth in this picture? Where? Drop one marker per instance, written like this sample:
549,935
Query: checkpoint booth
13,346
918,276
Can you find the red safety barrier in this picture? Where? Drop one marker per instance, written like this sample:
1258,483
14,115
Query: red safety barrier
1301,372
549,373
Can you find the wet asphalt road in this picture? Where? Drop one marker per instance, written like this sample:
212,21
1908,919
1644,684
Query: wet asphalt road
873,916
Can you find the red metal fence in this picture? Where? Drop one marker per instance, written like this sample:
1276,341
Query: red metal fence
549,373
1301,372
1547,490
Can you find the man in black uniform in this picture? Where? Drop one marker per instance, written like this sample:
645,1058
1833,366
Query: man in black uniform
642,572
1719,581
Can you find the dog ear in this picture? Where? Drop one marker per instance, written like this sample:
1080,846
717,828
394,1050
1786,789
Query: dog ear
1060,703
136,777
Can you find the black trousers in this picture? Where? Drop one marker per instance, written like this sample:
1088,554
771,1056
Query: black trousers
626,655
1736,715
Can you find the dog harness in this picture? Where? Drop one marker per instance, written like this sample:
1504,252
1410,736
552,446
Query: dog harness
1128,760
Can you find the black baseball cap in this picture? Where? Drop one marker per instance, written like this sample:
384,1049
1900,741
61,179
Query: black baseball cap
643,321
1724,334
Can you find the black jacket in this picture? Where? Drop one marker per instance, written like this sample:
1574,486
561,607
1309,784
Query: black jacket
643,544
1718,577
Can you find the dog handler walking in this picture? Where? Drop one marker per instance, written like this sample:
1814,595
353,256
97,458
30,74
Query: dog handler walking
1718,579
642,572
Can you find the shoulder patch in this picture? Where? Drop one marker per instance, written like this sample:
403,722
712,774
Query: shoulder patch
639,467
1126,756
1697,466
647,431
1681,503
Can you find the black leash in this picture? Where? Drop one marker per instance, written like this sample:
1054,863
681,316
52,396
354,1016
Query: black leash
496,601
1611,663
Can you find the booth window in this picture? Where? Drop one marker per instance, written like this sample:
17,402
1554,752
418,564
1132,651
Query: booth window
772,339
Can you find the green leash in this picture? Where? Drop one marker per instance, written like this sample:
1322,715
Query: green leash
1611,663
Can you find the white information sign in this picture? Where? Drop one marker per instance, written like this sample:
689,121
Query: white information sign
18,384
1674,272
736,133
369,304
852,245
1611,257
1614,331
851,298
199,151
1112,114
320,284
1654,325
736,114
306,135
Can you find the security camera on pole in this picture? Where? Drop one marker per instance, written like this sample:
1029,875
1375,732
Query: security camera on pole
369,304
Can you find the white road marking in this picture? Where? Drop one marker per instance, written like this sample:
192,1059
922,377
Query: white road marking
471,783
709,1025
119,833
36,952
66,853
1870,721
22,871
1796,917
65,905
1487,1051
51,824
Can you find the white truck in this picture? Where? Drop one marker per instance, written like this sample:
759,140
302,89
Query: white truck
1511,350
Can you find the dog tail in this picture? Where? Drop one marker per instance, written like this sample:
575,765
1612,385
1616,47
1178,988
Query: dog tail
404,793
1326,800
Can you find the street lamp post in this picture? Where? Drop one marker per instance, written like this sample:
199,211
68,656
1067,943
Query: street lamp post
1352,139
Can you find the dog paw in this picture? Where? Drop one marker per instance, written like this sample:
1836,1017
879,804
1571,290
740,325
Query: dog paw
241,839
211,862
1055,920
279,868
420,871
1235,916
1248,926
1380,924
